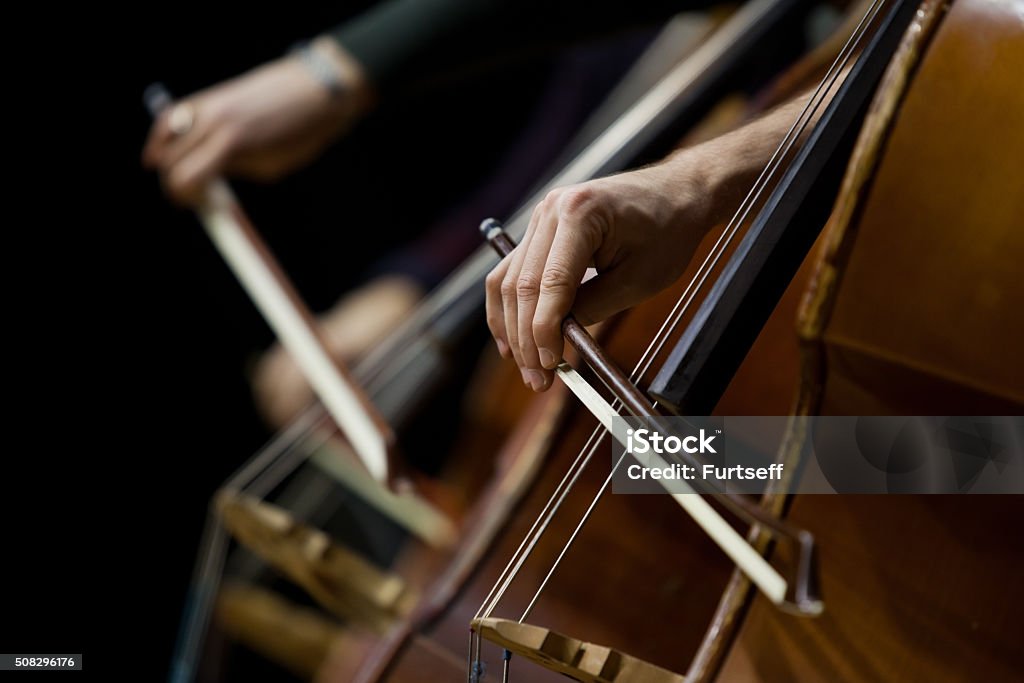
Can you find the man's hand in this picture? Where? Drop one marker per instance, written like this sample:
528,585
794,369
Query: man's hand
260,125
351,328
637,229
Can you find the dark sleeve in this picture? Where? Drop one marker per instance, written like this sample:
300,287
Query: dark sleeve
579,81
400,41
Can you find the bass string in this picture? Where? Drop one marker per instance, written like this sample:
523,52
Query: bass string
757,189
671,322
737,221
541,523
372,373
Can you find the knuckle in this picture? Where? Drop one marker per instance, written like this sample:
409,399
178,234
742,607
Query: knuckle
556,278
526,286
545,326
536,214
576,199
508,288
177,180
493,281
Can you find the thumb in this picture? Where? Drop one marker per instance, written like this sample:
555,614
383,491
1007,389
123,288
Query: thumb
188,177
603,296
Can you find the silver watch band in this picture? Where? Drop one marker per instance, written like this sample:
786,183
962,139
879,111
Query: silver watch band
320,67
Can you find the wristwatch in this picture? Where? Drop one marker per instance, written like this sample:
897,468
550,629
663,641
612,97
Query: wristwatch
320,67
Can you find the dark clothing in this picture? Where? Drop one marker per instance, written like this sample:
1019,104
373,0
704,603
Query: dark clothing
403,42
579,82
400,41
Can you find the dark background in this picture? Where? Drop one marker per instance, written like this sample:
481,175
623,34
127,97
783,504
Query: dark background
129,341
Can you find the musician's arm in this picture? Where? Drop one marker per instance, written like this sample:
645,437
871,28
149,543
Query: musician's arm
639,229
277,117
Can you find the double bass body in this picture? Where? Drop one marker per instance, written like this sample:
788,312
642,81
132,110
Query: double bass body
915,310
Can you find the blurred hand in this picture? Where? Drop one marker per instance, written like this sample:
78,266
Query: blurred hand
357,322
638,229
260,125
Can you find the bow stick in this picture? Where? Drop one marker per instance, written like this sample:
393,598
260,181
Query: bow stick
250,259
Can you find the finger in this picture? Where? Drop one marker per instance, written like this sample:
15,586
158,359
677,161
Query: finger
175,151
509,303
187,180
528,290
572,249
495,310
160,135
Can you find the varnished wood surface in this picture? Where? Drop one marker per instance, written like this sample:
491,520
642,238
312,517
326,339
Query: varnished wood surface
918,589
299,638
914,311
930,299
339,579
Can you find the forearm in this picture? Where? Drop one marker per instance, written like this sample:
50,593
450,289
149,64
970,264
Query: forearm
728,166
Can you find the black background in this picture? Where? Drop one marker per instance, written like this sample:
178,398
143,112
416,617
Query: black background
128,341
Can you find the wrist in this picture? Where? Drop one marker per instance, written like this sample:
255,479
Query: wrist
338,74
690,182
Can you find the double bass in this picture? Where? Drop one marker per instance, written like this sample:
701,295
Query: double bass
913,309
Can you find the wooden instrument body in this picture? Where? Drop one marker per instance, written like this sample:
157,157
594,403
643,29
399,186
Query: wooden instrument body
925,248
916,310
